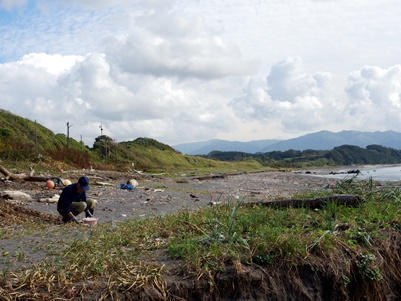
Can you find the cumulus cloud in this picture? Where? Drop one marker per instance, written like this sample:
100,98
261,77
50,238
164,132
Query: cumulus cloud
375,97
302,101
286,81
53,64
181,71
91,90
173,45
297,99
87,91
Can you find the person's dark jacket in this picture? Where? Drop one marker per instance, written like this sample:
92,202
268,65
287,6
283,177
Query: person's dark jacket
68,195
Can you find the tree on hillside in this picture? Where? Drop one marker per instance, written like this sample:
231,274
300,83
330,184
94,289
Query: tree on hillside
104,146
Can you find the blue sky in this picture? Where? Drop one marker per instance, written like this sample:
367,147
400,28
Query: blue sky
184,71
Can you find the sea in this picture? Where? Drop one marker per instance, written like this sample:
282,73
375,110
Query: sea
390,173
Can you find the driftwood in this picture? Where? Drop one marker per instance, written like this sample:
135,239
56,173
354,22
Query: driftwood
316,203
16,195
209,177
23,177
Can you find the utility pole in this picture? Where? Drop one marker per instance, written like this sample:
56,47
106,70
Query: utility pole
101,130
36,140
116,149
68,134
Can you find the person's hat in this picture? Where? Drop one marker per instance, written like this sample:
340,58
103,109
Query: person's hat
84,183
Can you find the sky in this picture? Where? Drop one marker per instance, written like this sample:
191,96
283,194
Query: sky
181,71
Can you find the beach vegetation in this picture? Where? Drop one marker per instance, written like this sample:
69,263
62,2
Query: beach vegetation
346,245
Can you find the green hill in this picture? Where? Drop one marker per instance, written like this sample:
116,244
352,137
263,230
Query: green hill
341,155
25,141
22,132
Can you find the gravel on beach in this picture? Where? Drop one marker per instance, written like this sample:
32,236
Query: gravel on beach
156,195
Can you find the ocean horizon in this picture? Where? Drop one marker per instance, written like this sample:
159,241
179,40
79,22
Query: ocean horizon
376,172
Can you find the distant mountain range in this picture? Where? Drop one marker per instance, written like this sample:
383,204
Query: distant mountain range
323,140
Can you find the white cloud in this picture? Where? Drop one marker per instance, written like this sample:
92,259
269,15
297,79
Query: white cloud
298,100
302,101
375,98
96,4
286,81
180,71
172,45
53,64
93,92
11,4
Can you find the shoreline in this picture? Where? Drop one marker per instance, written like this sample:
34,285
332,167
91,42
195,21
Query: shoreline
162,195
379,172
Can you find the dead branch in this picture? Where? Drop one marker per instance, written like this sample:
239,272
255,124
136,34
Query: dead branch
23,177
315,203
210,177
4,171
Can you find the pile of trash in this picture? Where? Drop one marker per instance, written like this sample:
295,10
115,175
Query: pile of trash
130,185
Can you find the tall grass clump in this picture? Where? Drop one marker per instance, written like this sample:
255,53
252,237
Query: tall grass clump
235,234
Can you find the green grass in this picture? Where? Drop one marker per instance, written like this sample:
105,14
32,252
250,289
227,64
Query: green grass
204,242
25,143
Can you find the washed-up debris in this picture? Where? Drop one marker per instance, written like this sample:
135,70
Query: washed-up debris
67,182
345,200
330,186
213,176
213,203
133,183
126,186
23,177
16,195
104,183
53,199
50,184
108,209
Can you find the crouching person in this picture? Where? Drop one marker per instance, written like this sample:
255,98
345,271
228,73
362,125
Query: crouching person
73,201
